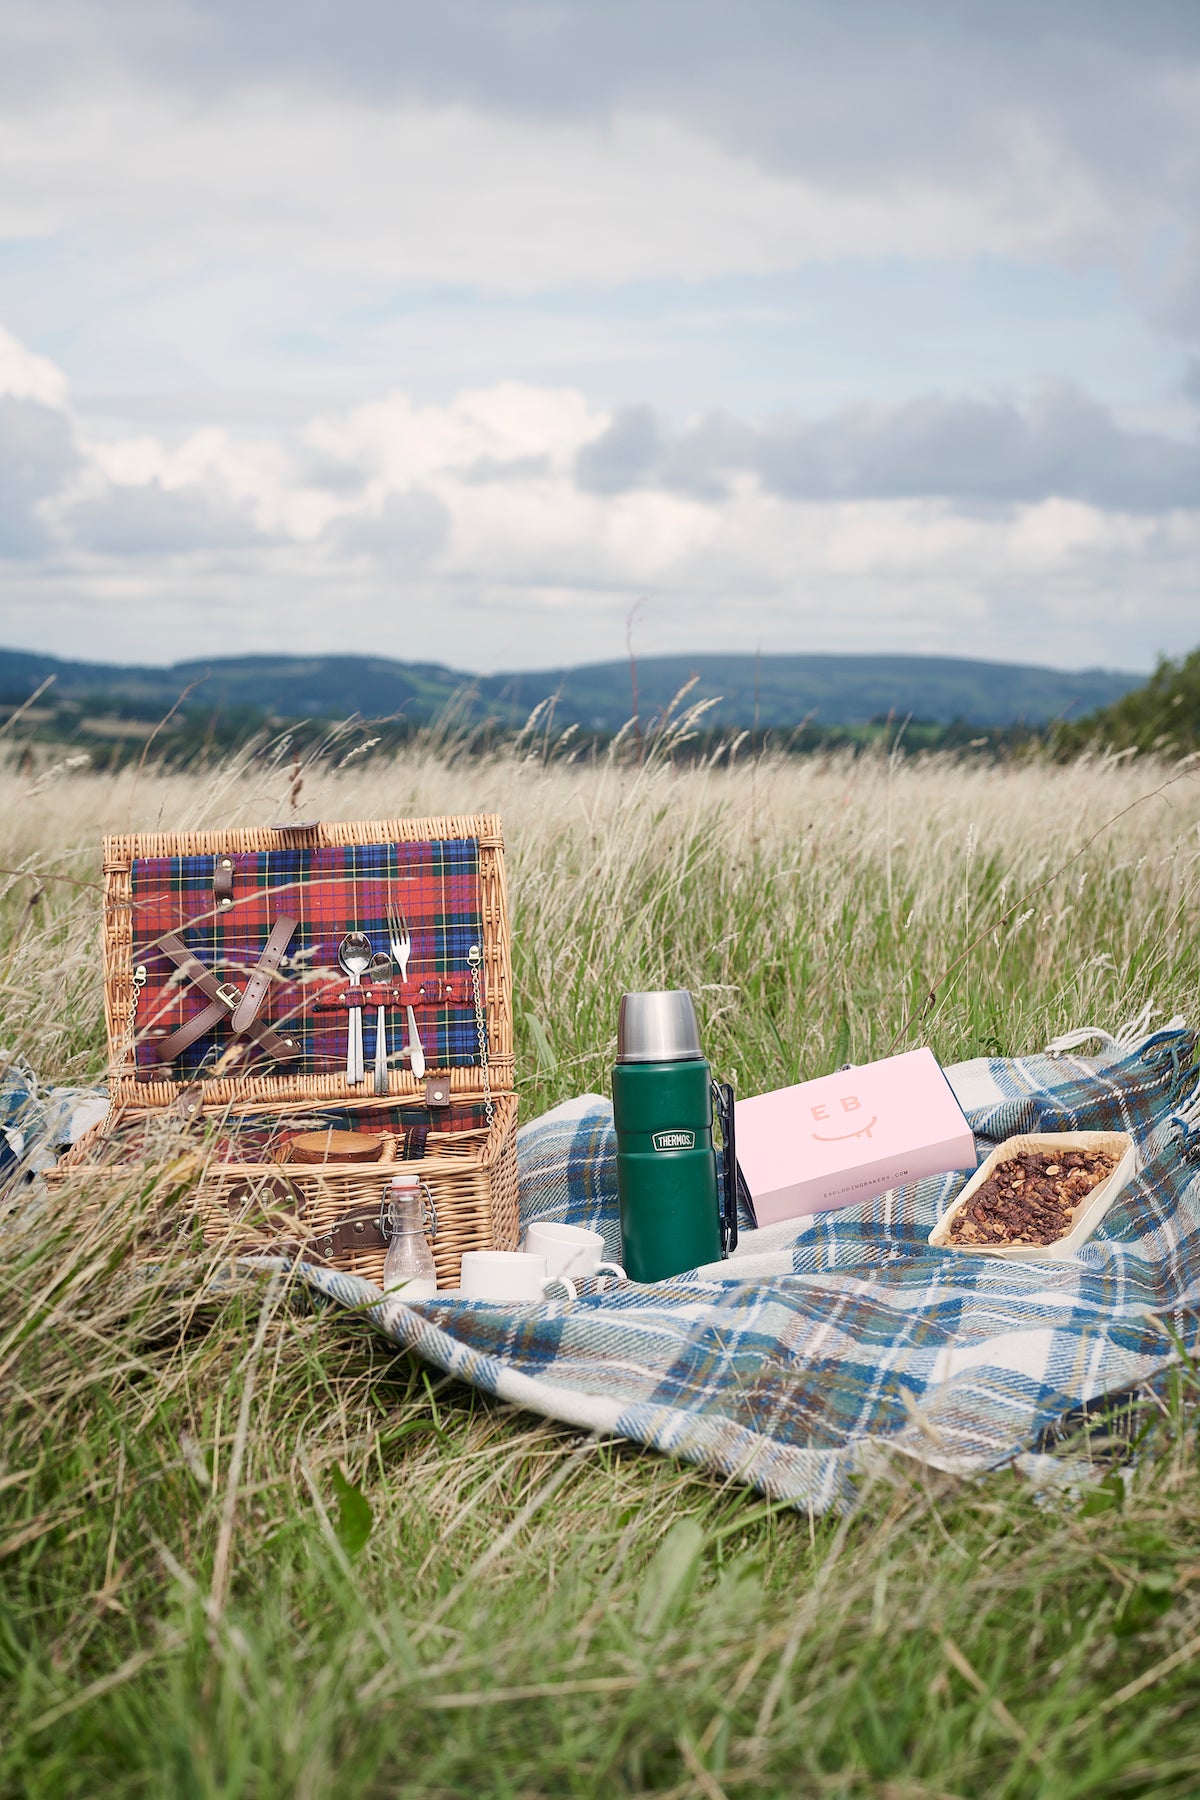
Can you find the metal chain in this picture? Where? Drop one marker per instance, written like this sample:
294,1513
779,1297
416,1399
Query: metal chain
475,958
139,982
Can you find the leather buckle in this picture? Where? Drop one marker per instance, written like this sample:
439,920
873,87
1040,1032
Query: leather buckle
229,995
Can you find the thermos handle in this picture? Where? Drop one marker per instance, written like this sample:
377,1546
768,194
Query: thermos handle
732,1181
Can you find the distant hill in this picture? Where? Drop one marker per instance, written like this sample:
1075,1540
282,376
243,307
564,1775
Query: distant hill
773,692
779,692
1162,714
287,686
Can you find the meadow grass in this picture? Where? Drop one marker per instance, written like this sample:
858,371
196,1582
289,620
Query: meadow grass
246,1549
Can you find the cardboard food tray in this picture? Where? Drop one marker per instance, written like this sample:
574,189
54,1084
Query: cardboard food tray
223,1108
1088,1215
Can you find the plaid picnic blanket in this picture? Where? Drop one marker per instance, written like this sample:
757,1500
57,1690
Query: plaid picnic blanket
826,1347
329,890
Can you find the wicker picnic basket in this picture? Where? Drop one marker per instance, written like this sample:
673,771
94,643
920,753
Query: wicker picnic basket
241,929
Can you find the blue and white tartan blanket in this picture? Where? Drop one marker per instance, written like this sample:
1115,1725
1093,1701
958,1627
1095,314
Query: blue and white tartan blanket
828,1347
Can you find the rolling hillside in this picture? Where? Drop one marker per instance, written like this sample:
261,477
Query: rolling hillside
774,692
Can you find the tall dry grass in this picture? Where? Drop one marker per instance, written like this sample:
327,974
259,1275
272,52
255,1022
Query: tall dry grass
812,904
246,1550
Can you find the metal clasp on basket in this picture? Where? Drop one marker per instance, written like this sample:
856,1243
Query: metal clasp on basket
229,995
387,1220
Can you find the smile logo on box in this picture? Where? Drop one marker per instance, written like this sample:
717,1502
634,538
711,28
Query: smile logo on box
843,1136
674,1140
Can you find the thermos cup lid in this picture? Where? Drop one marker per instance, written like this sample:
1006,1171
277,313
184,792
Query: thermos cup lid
658,1027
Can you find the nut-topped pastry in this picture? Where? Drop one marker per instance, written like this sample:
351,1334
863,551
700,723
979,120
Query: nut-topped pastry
1032,1198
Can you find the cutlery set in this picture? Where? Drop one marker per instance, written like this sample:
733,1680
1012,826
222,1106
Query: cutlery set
238,1001
357,958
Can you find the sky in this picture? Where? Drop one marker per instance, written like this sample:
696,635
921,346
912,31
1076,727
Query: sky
504,333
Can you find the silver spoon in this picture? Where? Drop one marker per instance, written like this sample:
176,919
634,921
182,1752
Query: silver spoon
380,975
354,956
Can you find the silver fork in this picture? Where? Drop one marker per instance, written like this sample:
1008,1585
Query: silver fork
401,941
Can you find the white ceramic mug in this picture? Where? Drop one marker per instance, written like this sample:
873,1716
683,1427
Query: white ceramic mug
570,1250
509,1275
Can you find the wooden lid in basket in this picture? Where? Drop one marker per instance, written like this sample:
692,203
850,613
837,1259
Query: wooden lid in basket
334,1146
180,882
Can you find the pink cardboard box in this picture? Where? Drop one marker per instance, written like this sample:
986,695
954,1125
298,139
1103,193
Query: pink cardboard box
848,1137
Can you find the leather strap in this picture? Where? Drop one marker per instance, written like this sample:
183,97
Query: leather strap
260,976
189,1103
223,881
358,1231
179,1041
226,1000
438,991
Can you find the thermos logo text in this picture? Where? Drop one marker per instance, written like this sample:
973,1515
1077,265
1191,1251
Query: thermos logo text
674,1140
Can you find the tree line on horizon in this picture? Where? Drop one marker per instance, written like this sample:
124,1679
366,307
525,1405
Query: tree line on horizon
1160,717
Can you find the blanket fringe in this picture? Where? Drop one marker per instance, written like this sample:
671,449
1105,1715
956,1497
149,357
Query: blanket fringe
1130,1036
1188,1112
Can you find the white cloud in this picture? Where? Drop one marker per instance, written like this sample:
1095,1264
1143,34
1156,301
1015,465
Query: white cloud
26,376
298,255
130,521
235,543
396,441
404,534
976,452
255,477
410,193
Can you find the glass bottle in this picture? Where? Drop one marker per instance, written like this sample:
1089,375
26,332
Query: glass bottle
408,1269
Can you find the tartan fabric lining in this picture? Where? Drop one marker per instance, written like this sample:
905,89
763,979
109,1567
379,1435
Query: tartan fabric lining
330,890
256,1137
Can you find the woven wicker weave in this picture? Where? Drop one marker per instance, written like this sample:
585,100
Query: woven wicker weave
469,1164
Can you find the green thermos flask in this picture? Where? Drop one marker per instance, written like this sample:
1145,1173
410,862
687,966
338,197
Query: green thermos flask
663,1097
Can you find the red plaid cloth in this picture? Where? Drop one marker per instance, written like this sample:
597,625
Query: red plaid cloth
258,1137
330,891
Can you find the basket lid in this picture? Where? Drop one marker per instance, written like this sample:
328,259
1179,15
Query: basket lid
196,928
